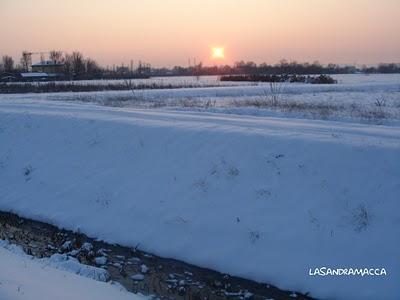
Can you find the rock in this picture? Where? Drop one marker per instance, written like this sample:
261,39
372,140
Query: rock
100,261
102,252
73,252
67,246
144,269
87,247
137,277
217,283
181,291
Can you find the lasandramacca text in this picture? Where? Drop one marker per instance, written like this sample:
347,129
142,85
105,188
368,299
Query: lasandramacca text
326,271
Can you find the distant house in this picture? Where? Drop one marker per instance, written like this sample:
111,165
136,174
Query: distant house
49,67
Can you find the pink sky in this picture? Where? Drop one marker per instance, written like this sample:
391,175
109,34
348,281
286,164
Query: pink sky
168,32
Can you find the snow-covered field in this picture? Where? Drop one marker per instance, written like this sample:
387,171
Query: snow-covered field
372,99
24,278
263,198
177,81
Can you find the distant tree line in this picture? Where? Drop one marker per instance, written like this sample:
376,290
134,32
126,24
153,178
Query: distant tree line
283,67
76,66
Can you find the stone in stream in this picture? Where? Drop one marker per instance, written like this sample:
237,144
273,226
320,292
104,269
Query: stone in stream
144,269
100,261
67,246
137,277
87,247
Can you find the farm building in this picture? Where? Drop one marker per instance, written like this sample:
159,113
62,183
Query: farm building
49,67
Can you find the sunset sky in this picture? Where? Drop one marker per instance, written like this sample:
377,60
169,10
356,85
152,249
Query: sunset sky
168,32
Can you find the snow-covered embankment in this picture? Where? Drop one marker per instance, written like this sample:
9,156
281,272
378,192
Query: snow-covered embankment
265,199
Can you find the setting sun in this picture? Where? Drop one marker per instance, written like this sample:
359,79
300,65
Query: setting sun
217,53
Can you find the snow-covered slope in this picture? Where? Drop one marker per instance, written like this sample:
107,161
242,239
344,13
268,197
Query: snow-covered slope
24,278
262,198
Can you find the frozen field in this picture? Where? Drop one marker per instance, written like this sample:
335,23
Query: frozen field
159,81
263,198
357,98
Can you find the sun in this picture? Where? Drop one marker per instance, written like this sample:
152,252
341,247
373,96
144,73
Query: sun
217,53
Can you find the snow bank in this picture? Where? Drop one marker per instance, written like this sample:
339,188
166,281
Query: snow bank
24,278
71,264
263,198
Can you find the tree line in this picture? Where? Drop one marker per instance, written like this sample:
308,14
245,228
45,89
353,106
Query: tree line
282,67
76,66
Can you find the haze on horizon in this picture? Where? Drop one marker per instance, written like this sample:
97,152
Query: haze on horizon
168,32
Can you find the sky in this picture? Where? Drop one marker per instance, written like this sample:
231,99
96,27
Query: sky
169,32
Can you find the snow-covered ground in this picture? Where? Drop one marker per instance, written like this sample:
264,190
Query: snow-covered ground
24,278
263,198
176,81
360,98
214,80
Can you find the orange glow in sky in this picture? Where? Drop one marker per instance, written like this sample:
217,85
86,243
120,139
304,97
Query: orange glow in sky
168,33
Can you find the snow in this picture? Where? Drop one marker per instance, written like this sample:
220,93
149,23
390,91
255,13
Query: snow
101,260
175,81
262,198
25,278
34,74
354,97
144,269
87,247
71,264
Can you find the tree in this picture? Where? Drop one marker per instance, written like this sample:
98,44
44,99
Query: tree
92,68
78,64
56,56
26,61
68,66
8,63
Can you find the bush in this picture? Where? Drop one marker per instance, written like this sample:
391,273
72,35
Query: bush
321,79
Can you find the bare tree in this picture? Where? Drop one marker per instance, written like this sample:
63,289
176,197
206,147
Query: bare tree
8,63
78,64
91,67
56,56
68,66
26,61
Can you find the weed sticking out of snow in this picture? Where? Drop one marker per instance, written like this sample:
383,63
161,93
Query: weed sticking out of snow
361,218
254,236
28,172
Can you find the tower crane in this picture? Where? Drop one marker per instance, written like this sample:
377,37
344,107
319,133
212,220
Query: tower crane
41,53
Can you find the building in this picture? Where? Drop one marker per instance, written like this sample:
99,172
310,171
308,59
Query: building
34,76
49,67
